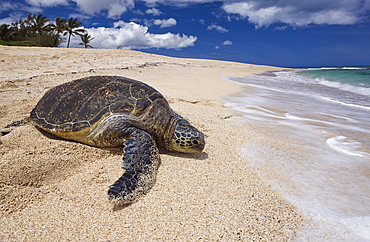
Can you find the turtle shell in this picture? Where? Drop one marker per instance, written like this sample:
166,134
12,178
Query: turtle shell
76,106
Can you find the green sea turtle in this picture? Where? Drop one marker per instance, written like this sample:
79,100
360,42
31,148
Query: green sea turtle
110,111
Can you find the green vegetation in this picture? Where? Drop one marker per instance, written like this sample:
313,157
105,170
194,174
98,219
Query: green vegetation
86,38
38,30
71,28
19,43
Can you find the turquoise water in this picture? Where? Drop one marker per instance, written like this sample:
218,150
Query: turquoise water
356,76
326,112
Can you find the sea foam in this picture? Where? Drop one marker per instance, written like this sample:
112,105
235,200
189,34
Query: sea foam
346,146
328,129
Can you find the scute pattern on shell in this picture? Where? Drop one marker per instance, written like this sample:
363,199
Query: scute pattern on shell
76,105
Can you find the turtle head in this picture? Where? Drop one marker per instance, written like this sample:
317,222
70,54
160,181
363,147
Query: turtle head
186,138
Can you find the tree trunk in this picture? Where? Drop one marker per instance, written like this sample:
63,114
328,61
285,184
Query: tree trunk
69,39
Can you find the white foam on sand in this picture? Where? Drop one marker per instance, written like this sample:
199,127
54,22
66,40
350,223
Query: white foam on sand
346,146
320,159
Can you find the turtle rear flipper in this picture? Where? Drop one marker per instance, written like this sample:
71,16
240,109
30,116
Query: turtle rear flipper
141,161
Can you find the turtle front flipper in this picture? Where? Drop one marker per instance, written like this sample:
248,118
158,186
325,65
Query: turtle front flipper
141,161
9,128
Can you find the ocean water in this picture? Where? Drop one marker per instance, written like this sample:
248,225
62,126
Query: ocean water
325,114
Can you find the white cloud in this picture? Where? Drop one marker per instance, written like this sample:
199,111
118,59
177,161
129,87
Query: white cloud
165,22
153,11
80,16
227,42
280,28
18,7
47,3
151,3
115,8
218,28
9,20
138,12
138,20
299,13
134,36
217,47
6,6
181,3
263,13
146,22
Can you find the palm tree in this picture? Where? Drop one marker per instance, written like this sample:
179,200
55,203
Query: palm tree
71,30
38,23
5,31
19,30
86,39
59,26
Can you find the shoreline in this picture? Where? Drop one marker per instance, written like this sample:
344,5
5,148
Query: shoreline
309,122
56,189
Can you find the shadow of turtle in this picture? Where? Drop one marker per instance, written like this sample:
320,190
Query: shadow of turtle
120,207
194,156
117,151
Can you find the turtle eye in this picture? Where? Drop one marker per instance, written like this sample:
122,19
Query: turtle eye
196,142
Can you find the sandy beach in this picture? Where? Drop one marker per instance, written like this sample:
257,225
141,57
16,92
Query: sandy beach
52,189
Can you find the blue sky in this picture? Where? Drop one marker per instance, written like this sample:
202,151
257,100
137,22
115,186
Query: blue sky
288,33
